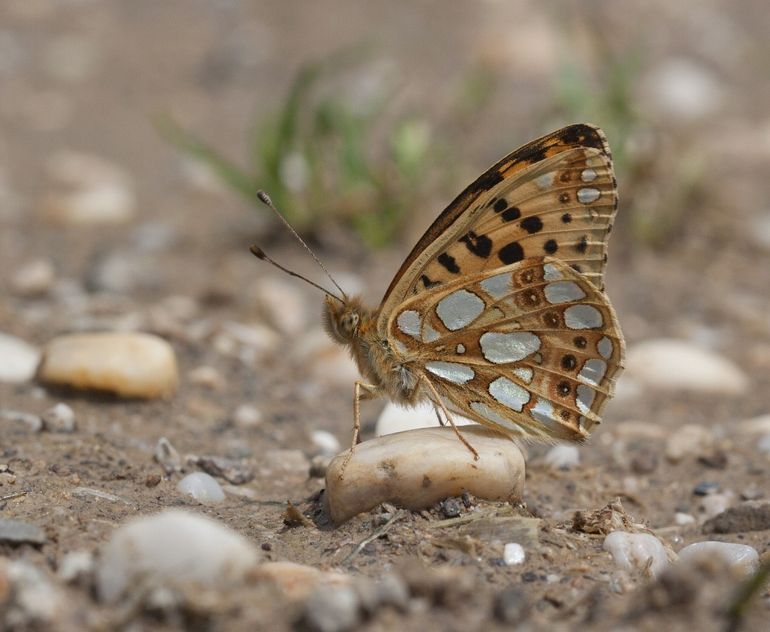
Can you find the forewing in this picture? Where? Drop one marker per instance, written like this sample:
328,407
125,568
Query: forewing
554,196
532,348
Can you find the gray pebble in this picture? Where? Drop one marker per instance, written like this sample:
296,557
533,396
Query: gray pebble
332,609
511,606
748,516
59,418
18,532
451,507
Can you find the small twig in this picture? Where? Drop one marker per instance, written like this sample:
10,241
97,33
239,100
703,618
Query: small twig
23,492
381,531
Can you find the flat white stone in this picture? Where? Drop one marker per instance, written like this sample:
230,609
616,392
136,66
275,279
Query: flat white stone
741,557
170,548
395,418
202,487
633,551
18,360
423,467
668,364
129,364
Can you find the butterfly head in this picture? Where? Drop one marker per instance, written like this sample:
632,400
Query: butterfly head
343,319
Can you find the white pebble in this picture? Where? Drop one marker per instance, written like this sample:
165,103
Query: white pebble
741,557
395,418
690,440
633,551
247,416
418,468
679,365
281,305
562,457
19,359
172,547
683,519
202,487
714,504
34,278
763,445
129,364
207,377
75,565
683,89
513,554
59,418
755,426
88,190
326,442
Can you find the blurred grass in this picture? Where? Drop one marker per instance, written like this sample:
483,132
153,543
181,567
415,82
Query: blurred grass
661,179
315,155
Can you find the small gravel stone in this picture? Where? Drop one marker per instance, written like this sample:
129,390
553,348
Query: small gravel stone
76,566
18,360
88,190
167,456
763,445
747,516
18,532
683,519
513,554
318,466
511,606
704,488
326,442
59,418
170,548
633,551
690,440
679,365
247,416
235,471
202,487
33,422
332,609
451,507
34,278
562,457
207,377
129,364
740,557
715,504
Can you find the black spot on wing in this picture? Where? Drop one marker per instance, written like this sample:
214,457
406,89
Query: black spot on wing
582,135
511,253
479,245
532,224
511,214
566,218
550,246
582,245
427,283
448,261
500,205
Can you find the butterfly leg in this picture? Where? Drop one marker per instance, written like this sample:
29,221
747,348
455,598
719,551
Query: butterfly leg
361,390
449,417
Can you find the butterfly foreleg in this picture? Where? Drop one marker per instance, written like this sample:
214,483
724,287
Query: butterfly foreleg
437,400
361,390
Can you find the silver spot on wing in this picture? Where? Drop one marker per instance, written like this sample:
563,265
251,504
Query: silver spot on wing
501,348
593,371
509,393
451,371
583,317
459,309
563,292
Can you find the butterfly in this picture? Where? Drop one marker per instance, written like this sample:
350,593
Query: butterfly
499,312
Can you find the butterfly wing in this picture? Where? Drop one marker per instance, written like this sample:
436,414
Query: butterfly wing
533,348
554,196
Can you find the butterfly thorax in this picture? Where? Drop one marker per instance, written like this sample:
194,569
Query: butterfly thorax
352,324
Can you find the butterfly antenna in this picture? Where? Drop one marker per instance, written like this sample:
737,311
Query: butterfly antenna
260,254
265,199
